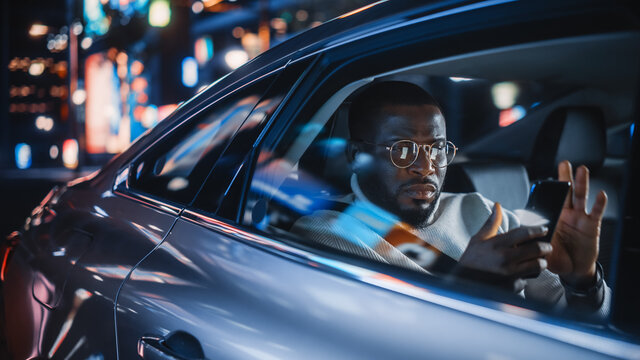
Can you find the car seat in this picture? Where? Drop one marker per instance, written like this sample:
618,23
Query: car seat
498,181
578,134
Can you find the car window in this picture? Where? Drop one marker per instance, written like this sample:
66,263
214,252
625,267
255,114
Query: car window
176,167
513,120
222,191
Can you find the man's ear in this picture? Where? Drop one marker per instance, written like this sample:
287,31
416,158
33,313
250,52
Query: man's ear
351,150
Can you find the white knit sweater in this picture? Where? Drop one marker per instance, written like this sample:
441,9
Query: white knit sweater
361,228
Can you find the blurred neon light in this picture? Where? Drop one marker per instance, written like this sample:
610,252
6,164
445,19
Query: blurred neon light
79,96
36,68
504,94
70,152
37,30
139,84
203,49
236,58
95,19
159,13
166,110
150,116
77,28
86,43
105,127
23,156
136,68
197,7
54,152
44,123
509,116
189,72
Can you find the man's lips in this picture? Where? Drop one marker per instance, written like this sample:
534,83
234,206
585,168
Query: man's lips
426,191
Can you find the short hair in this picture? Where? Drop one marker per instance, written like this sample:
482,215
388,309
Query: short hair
367,103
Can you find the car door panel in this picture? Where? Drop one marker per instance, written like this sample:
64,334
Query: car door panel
244,297
74,272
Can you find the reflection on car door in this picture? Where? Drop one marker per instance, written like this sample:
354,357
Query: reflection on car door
79,270
147,297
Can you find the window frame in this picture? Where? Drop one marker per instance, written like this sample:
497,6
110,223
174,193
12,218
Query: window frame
122,182
299,70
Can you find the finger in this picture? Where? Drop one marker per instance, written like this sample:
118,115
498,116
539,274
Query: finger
530,268
581,188
491,226
520,235
529,251
597,211
565,173
518,285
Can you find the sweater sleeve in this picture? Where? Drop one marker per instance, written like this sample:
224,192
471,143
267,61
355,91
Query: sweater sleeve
509,219
347,234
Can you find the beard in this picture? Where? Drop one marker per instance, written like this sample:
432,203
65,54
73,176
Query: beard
417,217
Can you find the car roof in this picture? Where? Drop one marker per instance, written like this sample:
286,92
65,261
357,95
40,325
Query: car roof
379,16
347,27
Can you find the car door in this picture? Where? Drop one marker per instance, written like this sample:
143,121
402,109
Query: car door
146,304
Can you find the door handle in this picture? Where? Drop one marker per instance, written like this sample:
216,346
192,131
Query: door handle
179,345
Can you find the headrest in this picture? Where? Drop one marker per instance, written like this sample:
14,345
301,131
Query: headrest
506,183
576,134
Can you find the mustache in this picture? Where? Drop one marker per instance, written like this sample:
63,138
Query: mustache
422,181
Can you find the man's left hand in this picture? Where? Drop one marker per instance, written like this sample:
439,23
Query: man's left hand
577,233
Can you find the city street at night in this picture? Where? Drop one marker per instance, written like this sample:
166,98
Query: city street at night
319,179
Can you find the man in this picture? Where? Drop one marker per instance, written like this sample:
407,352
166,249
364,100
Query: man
399,156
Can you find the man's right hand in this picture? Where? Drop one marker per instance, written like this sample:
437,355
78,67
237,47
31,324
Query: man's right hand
513,255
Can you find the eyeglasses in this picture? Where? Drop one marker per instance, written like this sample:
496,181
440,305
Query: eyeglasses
404,153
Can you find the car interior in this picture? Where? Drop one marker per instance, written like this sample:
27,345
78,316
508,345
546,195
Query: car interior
563,108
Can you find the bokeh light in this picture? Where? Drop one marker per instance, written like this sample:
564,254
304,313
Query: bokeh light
159,13
236,58
70,152
23,156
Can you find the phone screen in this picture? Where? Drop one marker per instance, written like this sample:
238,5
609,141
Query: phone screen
546,199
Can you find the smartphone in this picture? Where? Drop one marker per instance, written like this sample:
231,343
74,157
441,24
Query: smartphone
546,200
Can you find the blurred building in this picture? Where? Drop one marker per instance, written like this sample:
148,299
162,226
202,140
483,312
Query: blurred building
87,77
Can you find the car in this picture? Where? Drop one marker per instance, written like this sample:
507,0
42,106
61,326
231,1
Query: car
181,246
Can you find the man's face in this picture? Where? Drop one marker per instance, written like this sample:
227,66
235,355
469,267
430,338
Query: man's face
410,193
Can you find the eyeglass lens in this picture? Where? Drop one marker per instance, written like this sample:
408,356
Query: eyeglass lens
404,153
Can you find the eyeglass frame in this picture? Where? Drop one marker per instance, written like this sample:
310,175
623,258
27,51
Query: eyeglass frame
422,146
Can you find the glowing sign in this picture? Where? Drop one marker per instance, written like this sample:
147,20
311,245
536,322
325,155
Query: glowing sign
23,156
104,125
236,58
159,13
70,152
96,20
189,72
203,49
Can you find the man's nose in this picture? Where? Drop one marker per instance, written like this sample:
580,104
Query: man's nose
423,165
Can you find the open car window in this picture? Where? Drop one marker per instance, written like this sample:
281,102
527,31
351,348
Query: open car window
513,114
175,168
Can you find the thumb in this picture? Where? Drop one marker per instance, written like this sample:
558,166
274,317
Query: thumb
490,227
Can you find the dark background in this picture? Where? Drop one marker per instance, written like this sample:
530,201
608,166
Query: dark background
161,49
